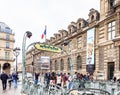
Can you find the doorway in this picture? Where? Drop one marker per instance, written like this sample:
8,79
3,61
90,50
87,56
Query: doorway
110,70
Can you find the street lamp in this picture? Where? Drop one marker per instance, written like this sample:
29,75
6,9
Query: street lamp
16,52
26,34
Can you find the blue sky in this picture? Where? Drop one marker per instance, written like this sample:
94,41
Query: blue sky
33,15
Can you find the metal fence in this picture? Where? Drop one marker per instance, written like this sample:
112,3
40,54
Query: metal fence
77,87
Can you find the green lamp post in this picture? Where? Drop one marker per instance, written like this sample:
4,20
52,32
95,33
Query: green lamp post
26,34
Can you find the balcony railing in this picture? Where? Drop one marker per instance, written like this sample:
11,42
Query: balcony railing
7,58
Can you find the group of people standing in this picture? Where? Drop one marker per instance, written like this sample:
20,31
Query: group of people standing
8,78
64,79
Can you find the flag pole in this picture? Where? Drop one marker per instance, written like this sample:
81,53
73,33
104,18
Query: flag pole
45,35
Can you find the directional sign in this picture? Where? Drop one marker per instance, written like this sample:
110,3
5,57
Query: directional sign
46,47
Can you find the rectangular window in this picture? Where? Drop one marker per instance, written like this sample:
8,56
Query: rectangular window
7,37
111,30
7,55
80,42
7,45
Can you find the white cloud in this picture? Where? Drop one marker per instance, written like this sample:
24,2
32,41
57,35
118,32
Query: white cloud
33,15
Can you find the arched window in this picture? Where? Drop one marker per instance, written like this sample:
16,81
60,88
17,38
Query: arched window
51,66
6,66
0,68
56,67
68,64
61,64
79,63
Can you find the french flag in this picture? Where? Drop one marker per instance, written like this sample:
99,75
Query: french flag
44,34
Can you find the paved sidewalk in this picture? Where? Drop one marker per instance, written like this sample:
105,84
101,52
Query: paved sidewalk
10,91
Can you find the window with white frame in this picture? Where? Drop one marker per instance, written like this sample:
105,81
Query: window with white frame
70,46
7,45
7,55
80,42
111,30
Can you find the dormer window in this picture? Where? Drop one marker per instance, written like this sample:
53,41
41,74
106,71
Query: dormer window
92,17
80,25
70,30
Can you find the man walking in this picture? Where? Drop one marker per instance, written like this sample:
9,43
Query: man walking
15,78
4,78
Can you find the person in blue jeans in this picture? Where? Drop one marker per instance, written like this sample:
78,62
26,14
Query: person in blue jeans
36,78
15,78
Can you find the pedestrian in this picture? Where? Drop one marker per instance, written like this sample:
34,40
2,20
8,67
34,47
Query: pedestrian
15,78
4,78
59,80
53,78
47,78
36,77
75,75
64,79
114,79
69,81
10,80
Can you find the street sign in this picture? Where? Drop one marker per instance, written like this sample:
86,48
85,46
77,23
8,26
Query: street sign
46,47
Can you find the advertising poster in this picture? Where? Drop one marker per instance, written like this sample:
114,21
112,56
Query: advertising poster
45,62
90,50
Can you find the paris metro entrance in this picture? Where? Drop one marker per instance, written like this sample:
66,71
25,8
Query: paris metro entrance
110,70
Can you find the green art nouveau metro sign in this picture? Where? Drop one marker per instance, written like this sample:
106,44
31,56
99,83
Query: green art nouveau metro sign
47,48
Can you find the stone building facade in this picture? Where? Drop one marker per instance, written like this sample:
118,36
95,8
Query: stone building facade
6,48
93,45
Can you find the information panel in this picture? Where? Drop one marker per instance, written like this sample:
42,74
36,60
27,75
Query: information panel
90,50
45,62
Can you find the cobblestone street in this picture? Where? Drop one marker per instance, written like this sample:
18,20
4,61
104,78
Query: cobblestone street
10,91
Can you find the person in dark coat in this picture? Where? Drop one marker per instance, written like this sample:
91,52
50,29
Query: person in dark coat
47,78
10,80
4,78
15,78
36,77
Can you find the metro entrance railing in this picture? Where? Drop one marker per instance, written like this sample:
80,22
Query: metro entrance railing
90,88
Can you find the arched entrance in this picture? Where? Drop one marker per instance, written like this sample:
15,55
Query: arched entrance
6,67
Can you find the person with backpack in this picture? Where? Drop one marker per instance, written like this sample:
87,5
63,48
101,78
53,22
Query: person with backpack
4,78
